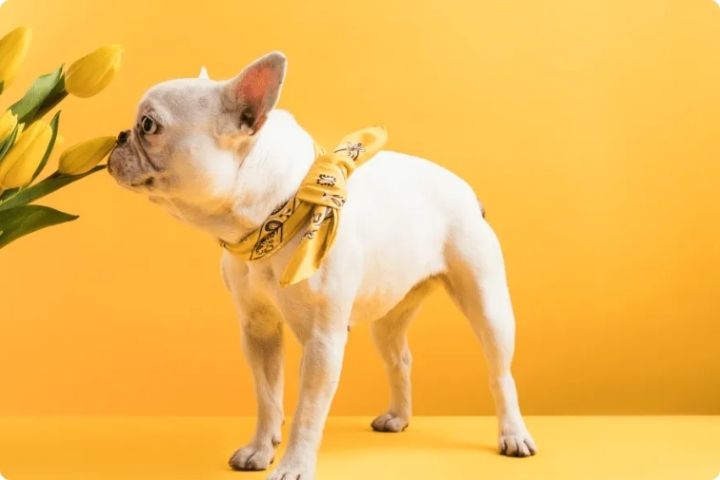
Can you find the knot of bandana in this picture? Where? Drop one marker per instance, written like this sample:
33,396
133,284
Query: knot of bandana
315,210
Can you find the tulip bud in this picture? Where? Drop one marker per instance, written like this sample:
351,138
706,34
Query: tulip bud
8,122
13,48
20,163
84,156
93,72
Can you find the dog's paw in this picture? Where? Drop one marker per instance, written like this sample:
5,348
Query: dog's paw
292,471
517,445
253,457
389,423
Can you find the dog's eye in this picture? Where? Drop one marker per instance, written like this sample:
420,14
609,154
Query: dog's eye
148,125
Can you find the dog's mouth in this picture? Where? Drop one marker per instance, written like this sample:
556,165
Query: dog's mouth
147,183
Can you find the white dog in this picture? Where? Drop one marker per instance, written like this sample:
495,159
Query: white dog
217,155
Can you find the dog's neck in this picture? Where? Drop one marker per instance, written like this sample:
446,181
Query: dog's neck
273,168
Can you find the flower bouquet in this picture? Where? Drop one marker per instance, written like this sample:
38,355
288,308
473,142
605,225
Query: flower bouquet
27,139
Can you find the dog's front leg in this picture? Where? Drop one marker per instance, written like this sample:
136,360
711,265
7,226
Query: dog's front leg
323,350
262,344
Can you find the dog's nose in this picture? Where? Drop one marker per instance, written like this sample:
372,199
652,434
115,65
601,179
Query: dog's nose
123,137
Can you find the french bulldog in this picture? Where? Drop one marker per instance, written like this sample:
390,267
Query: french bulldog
217,154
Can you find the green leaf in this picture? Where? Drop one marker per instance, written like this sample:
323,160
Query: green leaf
4,147
56,96
54,126
28,107
8,193
8,142
40,189
19,221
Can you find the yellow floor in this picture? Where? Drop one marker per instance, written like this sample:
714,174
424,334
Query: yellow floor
158,448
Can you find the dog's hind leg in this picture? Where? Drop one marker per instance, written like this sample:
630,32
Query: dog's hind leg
389,334
477,282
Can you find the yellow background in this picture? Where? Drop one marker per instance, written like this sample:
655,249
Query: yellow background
591,130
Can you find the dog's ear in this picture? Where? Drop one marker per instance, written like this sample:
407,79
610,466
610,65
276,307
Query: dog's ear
255,91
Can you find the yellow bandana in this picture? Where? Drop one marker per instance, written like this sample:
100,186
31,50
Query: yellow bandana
315,208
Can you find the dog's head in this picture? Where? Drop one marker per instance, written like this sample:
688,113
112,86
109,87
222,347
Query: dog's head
190,135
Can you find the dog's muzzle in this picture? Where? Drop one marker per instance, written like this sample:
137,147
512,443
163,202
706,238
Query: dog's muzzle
125,164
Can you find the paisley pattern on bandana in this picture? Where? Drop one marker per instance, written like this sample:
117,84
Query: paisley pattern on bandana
315,209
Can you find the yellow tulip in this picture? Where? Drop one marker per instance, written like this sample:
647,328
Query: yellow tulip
93,72
8,122
82,157
20,163
13,48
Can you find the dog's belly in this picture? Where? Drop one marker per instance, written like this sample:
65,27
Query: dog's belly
365,309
